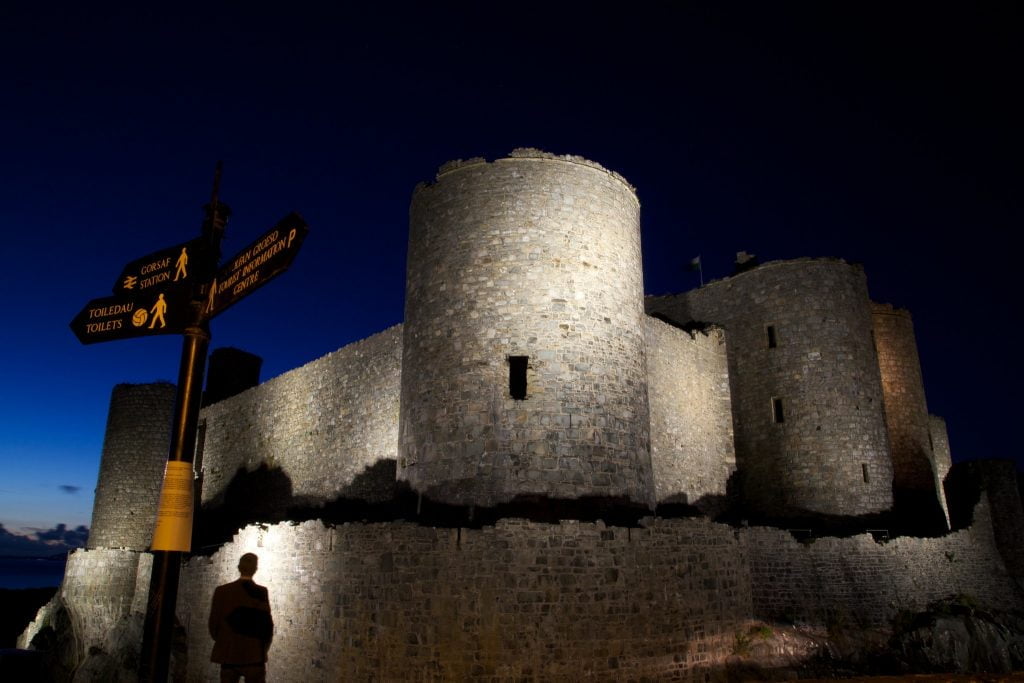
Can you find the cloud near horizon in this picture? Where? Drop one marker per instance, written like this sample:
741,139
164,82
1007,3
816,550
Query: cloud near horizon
46,542
69,489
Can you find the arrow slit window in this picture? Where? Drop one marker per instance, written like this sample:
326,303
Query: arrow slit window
517,366
777,415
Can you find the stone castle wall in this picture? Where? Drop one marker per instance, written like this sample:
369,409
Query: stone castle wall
519,600
538,257
800,344
328,429
906,412
861,582
996,482
135,449
566,601
101,587
692,452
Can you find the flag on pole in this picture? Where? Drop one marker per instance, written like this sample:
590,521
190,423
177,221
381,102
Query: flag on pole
695,264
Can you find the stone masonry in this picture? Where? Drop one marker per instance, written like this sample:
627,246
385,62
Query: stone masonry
325,427
806,393
534,257
861,582
691,415
906,412
132,466
520,600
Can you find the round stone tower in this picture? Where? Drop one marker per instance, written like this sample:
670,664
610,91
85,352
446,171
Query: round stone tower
523,368
806,392
135,450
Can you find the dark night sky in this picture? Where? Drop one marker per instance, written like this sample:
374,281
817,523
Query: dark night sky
886,136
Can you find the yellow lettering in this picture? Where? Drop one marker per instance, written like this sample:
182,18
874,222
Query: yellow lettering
291,235
93,328
246,283
155,265
106,311
154,280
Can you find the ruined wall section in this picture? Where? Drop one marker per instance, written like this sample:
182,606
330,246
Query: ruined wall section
519,600
806,393
135,449
327,426
101,588
906,411
535,257
860,581
942,458
996,482
692,451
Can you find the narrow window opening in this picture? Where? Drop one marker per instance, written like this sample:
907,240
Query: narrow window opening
773,341
517,376
777,413
864,472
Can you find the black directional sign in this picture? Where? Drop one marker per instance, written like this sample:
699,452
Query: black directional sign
156,311
170,266
270,255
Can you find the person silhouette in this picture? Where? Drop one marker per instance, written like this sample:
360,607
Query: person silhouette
180,264
241,626
158,310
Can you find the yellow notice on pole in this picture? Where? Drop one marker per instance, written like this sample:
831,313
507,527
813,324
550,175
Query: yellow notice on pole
174,516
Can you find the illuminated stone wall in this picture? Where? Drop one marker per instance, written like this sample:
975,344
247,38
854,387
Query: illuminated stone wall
906,413
533,256
858,581
519,600
940,445
135,449
102,590
322,431
829,454
942,457
567,601
692,452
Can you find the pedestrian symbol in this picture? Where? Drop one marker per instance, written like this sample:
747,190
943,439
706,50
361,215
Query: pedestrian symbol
158,310
180,264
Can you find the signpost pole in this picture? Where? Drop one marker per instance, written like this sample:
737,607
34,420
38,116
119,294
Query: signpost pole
163,584
163,588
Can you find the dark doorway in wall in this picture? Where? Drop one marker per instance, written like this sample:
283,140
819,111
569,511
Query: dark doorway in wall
517,376
773,340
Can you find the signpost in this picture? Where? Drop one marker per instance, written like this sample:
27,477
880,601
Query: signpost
269,256
173,266
163,310
178,290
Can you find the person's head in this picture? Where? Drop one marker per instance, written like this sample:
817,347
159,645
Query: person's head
247,565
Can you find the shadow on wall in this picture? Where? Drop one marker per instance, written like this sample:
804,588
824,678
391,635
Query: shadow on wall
719,507
264,495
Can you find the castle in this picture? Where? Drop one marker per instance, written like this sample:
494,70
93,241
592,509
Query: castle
535,397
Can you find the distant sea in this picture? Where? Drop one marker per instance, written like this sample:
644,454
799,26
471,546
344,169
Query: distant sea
28,572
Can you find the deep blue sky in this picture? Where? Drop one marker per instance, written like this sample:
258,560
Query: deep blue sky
886,136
